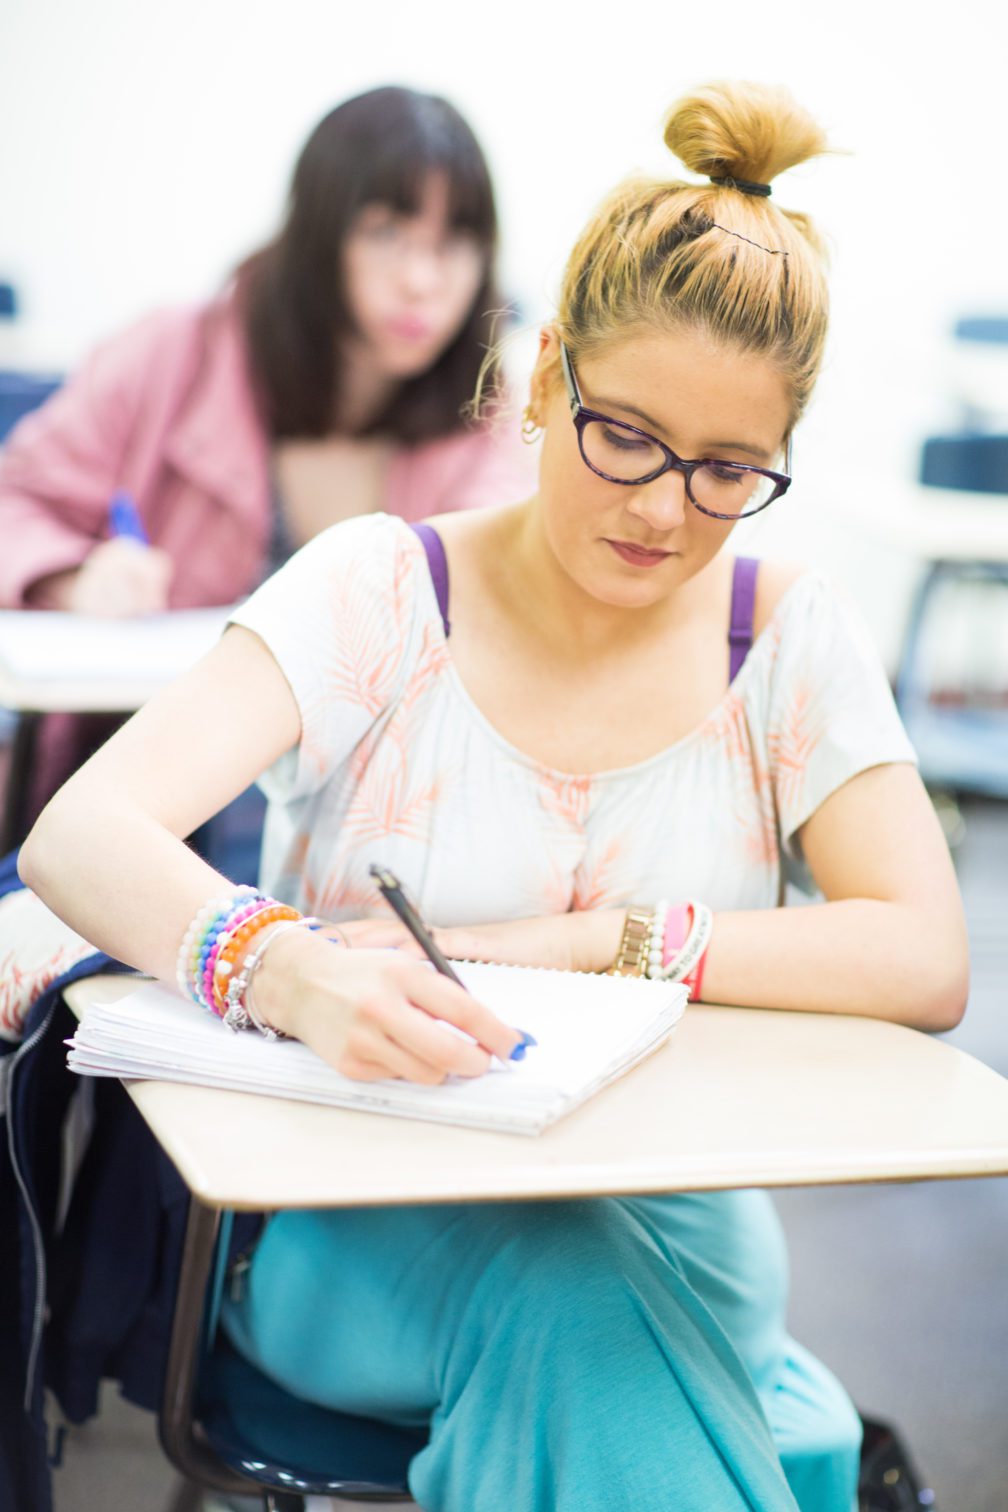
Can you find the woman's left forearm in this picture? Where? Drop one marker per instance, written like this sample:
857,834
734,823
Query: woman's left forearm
857,955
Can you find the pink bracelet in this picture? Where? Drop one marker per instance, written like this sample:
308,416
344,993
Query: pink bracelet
685,933
677,928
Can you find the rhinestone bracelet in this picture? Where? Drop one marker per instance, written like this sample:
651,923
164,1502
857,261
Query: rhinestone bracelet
239,1009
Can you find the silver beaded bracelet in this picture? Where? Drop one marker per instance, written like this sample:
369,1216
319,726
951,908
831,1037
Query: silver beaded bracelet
656,941
239,1011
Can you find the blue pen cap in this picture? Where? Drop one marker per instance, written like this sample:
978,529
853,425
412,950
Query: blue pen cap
124,517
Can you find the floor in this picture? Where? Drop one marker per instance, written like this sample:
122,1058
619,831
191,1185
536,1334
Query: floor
903,1290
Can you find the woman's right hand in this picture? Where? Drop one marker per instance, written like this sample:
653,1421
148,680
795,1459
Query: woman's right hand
119,579
374,1014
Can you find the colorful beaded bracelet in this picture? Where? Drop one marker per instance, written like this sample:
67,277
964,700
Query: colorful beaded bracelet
206,923
234,944
217,934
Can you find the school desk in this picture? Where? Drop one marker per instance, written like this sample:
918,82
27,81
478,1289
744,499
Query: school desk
737,1098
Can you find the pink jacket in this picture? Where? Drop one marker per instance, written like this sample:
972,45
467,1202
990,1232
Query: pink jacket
166,411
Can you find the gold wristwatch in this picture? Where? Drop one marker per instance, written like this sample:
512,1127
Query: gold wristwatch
632,956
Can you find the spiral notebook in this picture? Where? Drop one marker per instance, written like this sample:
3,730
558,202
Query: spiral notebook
590,1030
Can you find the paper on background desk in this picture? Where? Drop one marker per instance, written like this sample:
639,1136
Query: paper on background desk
49,646
591,1029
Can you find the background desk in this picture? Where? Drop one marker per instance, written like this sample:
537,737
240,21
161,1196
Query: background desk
28,701
90,667
737,1098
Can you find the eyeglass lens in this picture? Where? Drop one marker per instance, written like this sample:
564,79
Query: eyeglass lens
623,454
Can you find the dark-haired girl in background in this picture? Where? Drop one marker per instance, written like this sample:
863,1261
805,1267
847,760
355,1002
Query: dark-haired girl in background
329,380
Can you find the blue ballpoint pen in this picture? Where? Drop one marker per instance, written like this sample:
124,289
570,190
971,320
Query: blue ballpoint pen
124,518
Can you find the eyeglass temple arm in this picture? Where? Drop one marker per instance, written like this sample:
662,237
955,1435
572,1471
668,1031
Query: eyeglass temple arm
571,382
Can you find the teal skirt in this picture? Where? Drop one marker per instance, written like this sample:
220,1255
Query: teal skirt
589,1356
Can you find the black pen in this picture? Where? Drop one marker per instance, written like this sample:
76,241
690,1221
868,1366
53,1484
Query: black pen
394,894
392,891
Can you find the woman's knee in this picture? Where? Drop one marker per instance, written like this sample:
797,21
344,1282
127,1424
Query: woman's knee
566,1242
559,1264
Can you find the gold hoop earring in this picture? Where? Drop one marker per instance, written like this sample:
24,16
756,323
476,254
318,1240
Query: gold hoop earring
530,430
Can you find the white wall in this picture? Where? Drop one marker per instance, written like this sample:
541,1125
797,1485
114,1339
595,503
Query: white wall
146,147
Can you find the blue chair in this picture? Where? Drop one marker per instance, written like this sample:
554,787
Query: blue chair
226,1427
21,392
991,329
975,462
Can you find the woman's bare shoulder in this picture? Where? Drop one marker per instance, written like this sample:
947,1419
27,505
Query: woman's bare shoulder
772,583
467,525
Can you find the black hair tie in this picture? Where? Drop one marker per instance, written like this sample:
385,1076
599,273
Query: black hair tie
761,191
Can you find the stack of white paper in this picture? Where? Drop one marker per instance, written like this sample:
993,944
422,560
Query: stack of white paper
590,1029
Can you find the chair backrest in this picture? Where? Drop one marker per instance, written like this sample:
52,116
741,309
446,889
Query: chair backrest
975,462
22,392
976,372
990,328
227,1427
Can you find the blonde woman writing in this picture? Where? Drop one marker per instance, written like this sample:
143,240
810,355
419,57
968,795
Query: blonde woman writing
588,736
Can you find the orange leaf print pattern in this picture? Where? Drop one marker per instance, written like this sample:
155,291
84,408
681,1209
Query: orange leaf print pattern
386,802
389,798
791,744
566,798
361,657
19,987
348,897
749,778
388,795
596,885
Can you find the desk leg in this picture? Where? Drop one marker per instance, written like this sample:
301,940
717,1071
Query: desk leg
15,815
179,1440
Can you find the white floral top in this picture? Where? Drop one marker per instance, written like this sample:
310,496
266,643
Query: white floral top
396,763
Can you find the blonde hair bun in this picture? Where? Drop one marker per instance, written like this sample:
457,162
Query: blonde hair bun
736,266
742,131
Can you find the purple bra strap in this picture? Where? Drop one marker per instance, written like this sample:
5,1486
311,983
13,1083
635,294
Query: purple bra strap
743,603
438,564
743,600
